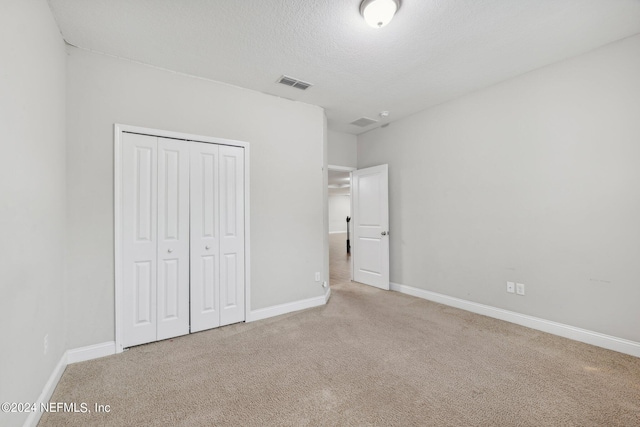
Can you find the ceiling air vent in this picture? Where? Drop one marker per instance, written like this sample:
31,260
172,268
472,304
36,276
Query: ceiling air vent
363,122
298,84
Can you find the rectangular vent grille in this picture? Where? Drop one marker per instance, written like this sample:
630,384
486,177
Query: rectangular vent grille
298,84
364,121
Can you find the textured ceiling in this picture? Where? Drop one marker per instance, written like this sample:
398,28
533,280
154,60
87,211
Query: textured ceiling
339,179
433,50
339,183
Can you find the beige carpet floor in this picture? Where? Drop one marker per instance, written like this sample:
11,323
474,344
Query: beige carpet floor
369,357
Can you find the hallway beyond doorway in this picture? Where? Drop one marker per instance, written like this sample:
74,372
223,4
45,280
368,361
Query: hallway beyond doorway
339,260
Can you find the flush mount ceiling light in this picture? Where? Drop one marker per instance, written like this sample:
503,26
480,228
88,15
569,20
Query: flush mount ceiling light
378,13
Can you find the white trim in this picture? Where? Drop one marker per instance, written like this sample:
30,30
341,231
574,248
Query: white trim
117,211
247,232
338,232
277,310
68,357
340,168
47,391
90,352
578,334
109,348
351,228
117,229
178,135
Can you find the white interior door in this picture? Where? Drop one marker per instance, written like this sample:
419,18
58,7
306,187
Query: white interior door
139,239
205,241
370,219
231,235
173,238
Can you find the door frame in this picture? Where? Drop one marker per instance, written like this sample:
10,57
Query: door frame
118,130
341,169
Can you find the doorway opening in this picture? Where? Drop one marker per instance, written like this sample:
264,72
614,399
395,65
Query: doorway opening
340,231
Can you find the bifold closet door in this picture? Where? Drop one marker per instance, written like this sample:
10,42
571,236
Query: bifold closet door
139,240
217,235
173,238
231,235
155,236
182,237
205,241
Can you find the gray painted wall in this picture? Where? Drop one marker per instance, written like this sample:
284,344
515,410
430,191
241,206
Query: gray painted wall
287,143
343,149
534,180
339,209
325,204
32,167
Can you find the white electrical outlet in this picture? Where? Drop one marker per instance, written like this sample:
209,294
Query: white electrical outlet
46,343
511,287
324,284
317,276
520,288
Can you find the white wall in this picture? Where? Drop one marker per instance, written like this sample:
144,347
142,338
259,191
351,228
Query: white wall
287,143
32,194
534,180
339,210
325,203
343,149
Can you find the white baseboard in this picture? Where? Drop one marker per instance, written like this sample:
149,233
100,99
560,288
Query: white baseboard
91,352
338,232
327,295
578,334
34,417
68,357
277,310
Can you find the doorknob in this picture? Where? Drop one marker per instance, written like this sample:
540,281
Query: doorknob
169,250
207,247
384,233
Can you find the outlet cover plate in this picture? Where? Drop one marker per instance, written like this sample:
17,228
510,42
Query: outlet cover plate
511,287
520,288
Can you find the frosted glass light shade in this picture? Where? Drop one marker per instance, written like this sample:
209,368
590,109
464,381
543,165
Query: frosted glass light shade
378,13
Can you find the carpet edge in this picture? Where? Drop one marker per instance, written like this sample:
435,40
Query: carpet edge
598,339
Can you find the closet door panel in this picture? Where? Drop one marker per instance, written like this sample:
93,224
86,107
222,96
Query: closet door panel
231,235
173,238
205,242
139,238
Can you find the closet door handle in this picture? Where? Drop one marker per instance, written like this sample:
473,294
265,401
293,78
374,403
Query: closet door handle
169,250
207,247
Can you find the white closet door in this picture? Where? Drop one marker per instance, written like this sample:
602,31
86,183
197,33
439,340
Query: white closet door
173,238
139,238
231,235
205,242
